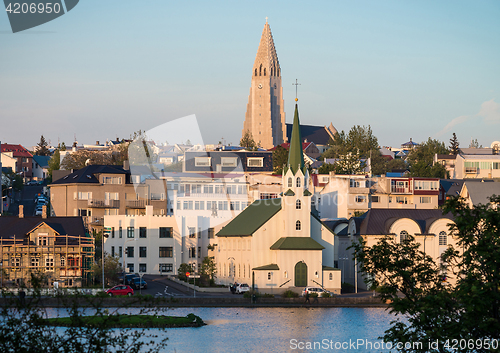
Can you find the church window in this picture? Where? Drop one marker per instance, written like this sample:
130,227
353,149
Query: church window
297,225
290,182
298,205
255,72
330,277
269,275
443,238
316,274
264,71
272,71
403,235
260,70
298,182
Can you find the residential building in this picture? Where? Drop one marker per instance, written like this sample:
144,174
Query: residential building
23,165
319,135
345,196
476,193
265,115
280,244
228,162
59,248
40,167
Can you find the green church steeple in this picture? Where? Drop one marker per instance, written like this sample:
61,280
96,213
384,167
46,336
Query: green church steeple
295,154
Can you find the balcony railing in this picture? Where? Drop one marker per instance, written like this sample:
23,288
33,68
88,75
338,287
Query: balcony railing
135,203
400,190
97,221
471,170
93,203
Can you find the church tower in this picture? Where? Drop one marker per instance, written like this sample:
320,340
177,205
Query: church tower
265,116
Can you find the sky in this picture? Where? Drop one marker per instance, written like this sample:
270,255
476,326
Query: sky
409,69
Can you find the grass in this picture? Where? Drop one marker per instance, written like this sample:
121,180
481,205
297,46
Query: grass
128,321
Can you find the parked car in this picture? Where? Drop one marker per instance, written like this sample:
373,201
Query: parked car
120,290
138,283
129,278
38,211
317,290
242,288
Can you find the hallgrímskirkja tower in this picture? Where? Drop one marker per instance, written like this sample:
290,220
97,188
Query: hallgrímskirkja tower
265,116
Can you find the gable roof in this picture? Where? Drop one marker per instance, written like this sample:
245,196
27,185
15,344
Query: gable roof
379,221
270,267
18,150
87,175
251,219
311,133
479,192
42,161
296,243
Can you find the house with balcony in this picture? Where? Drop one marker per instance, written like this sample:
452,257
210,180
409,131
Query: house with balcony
24,159
57,247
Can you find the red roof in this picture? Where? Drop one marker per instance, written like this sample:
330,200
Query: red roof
19,151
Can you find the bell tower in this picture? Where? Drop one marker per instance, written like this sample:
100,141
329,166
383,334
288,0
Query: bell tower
265,115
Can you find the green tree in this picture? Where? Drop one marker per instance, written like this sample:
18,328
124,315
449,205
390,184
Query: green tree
54,162
412,282
41,149
248,142
80,159
280,159
454,145
421,160
183,269
326,168
18,183
209,268
112,268
396,163
474,144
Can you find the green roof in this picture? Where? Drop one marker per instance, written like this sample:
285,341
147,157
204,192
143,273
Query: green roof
289,192
251,219
307,193
296,243
295,154
328,268
269,267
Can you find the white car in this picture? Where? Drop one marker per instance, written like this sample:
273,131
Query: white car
38,211
316,290
242,288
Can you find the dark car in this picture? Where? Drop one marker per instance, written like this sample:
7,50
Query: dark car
120,290
139,283
129,277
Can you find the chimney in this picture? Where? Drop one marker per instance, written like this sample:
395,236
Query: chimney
126,164
21,211
97,143
44,211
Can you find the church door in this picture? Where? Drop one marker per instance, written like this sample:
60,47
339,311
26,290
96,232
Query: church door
300,274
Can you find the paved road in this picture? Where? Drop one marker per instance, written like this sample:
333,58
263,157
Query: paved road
26,198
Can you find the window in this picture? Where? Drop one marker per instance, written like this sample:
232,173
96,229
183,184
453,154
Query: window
199,232
375,199
42,241
192,252
443,238
130,268
297,183
130,232
49,264
255,162
330,276
192,232
360,199
354,183
269,276
142,251
234,205
298,205
83,195
187,205
112,232
202,161
142,232
199,205
166,251
142,268
297,225
112,251
290,182
229,161
425,199
223,205
210,233
403,236
83,212
111,180
35,262
166,232
129,251
120,233
268,195
120,251
199,252
166,268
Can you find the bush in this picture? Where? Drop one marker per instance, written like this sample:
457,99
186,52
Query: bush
313,295
267,295
326,295
290,294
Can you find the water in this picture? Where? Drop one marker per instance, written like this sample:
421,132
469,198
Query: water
277,330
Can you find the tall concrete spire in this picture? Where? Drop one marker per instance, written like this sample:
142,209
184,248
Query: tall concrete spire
265,116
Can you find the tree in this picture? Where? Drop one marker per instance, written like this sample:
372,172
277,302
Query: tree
395,164
18,183
326,168
412,283
454,149
280,159
248,142
80,159
209,268
474,144
421,160
112,267
41,149
183,269
54,162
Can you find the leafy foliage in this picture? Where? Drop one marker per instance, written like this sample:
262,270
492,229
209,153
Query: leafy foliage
280,159
41,147
248,142
209,268
80,159
112,268
412,282
421,159
54,162
454,145
181,272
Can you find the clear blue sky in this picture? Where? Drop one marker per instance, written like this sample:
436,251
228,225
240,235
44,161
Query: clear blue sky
109,68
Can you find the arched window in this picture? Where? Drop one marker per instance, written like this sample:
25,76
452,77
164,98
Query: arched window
244,267
264,71
330,276
255,72
403,235
298,182
297,225
269,276
298,205
260,70
290,182
443,238
239,270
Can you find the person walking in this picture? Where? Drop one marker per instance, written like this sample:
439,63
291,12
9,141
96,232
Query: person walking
307,298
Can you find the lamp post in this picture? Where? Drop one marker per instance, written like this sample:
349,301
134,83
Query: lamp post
343,259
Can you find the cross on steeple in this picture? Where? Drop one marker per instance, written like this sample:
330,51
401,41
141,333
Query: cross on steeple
266,19
296,84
